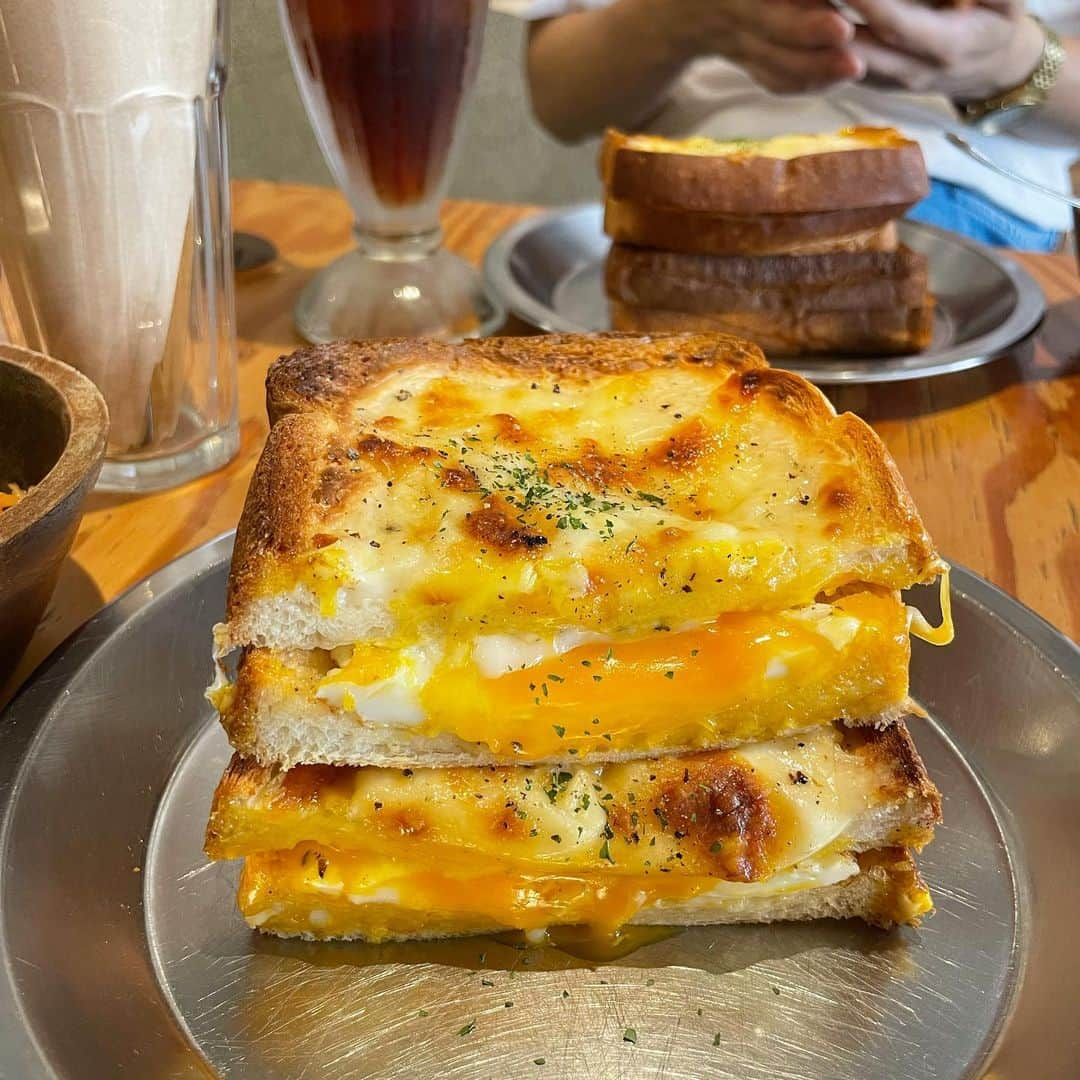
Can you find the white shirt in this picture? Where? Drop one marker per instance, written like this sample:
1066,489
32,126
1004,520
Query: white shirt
715,97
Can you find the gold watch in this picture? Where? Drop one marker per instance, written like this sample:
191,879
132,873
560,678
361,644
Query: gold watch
1002,112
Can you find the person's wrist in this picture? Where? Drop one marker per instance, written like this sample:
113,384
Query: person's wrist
1021,59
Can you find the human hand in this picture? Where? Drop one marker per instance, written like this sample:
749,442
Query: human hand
965,53
788,46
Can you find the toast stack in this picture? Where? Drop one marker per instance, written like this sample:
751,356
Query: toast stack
568,630
790,242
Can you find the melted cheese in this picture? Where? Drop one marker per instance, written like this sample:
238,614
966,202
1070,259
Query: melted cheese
741,815
334,894
934,635
326,574
783,147
739,677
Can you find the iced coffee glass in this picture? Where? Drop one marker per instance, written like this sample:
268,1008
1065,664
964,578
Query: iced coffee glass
385,82
114,219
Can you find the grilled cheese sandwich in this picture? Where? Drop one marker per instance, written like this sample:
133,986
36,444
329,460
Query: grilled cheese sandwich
506,553
599,845
573,630
790,242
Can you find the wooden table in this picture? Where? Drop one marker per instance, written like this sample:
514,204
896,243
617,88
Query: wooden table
992,456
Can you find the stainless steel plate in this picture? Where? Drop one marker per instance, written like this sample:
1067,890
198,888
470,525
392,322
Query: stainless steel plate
549,271
122,954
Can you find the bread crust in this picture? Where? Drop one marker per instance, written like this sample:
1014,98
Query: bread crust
789,284
898,331
890,171
326,377
870,228
892,750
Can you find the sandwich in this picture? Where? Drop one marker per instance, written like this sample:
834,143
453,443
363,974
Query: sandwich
561,546
522,625
790,241
792,828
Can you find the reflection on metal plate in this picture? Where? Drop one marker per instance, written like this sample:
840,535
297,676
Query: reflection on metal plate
549,271
111,914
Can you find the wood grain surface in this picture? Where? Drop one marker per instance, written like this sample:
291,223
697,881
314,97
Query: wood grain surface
992,456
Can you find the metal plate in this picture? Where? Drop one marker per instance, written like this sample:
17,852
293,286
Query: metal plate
122,954
548,270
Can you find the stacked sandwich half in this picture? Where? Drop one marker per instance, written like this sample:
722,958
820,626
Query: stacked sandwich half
568,630
791,241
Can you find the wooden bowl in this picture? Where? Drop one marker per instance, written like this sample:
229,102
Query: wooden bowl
53,425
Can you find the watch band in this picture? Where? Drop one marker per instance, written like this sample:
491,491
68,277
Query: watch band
1001,111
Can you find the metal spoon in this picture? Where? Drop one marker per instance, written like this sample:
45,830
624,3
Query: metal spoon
982,159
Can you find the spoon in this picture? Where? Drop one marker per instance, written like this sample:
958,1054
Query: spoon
982,159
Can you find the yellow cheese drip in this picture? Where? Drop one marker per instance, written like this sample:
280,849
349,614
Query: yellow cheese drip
935,635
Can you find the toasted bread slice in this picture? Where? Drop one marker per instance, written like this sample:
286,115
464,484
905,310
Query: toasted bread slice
321,895
742,814
412,487
270,726
785,284
870,228
895,331
744,677
791,174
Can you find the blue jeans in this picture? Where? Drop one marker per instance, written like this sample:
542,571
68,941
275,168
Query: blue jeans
965,211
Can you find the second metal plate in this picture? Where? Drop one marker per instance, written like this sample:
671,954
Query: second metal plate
549,271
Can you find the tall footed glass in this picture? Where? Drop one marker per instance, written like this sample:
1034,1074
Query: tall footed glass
384,82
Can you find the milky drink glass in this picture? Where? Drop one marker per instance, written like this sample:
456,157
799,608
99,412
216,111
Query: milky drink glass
114,219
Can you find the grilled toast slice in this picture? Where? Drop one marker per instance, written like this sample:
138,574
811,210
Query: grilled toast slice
744,812
407,485
743,678
870,228
785,284
789,174
896,331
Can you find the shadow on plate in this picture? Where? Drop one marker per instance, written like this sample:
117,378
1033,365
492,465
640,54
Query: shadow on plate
925,396
715,950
